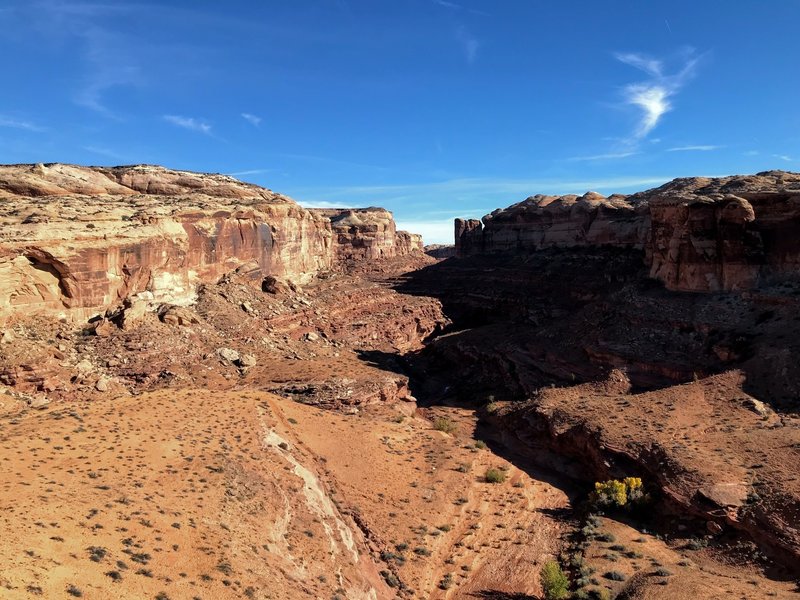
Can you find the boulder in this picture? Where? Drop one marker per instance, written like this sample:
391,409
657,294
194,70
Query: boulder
177,315
228,354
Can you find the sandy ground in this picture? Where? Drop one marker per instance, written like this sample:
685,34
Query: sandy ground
189,494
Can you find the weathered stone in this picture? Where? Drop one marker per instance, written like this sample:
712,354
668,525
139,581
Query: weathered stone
757,406
228,354
84,366
726,494
247,360
177,315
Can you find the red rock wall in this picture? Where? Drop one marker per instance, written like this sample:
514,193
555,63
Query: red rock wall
368,234
75,241
698,234
561,222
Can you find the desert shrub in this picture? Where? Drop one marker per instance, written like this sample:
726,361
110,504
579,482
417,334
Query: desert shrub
390,579
446,582
625,493
615,576
445,425
696,544
480,445
554,582
495,476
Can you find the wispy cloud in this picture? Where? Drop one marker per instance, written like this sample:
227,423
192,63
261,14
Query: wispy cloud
250,172
460,7
325,204
19,124
109,57
700,148
469,44
188,123
648,65
609,156
752,153
784,157
653,97
252,119
469,189
103,152
439,231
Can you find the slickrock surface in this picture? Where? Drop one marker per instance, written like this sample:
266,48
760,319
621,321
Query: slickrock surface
699,234
77,240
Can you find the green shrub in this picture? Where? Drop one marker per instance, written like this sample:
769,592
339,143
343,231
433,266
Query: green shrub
495,476
445,425
554,582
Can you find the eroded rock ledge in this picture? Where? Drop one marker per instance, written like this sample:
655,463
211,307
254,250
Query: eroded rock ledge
77,240
699,234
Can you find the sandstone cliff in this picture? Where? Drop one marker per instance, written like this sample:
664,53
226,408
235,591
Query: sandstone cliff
698,234
77,240
368,233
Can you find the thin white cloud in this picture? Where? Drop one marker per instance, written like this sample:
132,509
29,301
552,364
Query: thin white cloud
469,44
470,189
609,156
752,153
440,231
652,97
103,152
18,124
649,65
188,123
699,148
252,119
459,7
324,204
250,172
653,100
784,157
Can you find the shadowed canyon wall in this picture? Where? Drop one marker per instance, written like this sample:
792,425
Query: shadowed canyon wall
699,234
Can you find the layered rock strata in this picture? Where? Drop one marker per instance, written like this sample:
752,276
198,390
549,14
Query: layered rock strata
77,240
699,234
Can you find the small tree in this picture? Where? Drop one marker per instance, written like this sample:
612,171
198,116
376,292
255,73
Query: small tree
614,492
554,582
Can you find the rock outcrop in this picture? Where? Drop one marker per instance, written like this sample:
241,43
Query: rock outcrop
555,221
698,234
367,234
78,240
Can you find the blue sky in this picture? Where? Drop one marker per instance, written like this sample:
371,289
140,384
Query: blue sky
434,109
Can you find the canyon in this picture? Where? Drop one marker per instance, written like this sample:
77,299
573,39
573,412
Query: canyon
210,391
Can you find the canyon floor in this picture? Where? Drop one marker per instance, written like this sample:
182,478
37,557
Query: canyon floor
268,444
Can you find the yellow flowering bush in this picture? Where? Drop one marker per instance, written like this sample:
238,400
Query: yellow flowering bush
614,492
